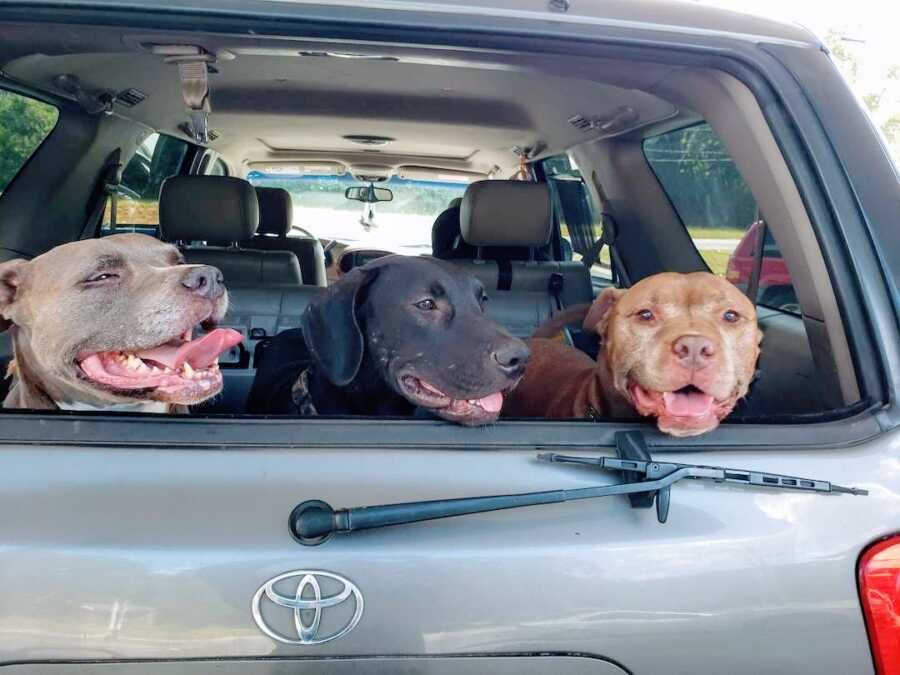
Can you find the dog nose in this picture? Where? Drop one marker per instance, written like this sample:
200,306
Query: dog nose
694,351
511,357
205,281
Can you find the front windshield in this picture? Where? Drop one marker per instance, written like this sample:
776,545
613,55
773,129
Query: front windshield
402,225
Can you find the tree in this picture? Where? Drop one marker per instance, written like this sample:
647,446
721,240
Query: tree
24,124
883,102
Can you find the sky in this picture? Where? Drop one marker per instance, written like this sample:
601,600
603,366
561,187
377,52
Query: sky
871,29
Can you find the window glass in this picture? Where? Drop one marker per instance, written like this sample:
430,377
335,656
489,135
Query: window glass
156,159
401,225
580,221
716,206
24,124
218,168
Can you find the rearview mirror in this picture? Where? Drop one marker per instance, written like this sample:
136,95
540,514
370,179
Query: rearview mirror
370,194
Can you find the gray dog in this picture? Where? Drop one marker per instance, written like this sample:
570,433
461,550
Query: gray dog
105,324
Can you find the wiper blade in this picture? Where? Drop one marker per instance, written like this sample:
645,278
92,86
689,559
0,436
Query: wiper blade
312,522
719,474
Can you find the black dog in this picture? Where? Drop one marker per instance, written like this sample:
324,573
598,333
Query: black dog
393,335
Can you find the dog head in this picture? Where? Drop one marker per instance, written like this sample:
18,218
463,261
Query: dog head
109,321
680,347
421,325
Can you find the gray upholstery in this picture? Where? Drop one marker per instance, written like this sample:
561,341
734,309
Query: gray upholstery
214,209
506,213
242,266
276,211
222,210
455,203
509,222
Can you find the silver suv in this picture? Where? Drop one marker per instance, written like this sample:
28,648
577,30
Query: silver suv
230,542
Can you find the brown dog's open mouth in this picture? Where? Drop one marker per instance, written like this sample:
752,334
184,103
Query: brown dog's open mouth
182,370
684,412
465,411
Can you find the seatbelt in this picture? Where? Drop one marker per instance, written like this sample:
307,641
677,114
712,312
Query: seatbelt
108,192
192,63
608,236
555,288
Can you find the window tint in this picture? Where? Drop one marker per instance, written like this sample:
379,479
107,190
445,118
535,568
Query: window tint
218,168
24,124
580,221
157,158
716,206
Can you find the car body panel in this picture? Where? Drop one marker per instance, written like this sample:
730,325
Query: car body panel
130,553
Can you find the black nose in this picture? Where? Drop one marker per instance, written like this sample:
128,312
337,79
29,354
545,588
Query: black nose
205,281
511,357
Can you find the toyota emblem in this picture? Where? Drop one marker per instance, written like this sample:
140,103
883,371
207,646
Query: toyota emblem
317,597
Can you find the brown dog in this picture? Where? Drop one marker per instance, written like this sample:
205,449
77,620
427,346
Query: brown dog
105,324
678,347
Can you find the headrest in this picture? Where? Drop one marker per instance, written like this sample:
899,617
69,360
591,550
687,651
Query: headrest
455,203
207,208
506,213
276,211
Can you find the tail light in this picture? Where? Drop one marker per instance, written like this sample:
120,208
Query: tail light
879,589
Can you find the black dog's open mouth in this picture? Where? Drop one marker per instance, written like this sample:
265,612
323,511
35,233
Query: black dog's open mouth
472,411
181,370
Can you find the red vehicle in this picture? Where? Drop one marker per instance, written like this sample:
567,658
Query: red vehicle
775,286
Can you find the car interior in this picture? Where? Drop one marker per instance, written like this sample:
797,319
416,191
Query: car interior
559,196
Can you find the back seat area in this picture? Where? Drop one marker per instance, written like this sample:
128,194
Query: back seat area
276,215
501,219
502,223
209,217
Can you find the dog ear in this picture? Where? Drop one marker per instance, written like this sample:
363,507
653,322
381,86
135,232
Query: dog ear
598,314
10,279
331,328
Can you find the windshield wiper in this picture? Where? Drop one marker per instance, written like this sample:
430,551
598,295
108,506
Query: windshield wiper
312,522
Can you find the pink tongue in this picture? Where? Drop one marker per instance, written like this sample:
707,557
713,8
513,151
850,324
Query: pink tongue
492,403
199,353
687,404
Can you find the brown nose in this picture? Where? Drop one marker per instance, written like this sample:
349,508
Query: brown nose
694,351
204,280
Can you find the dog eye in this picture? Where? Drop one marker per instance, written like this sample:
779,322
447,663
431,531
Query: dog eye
731,316
645,315
102,276
427,304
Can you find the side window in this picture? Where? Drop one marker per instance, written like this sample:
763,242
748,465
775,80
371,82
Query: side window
219,168
716,206
157,158
24,124
580,221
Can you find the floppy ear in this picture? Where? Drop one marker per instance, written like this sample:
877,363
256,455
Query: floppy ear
331,329
10,278
598,314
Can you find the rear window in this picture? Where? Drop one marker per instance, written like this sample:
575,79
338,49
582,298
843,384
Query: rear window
24,124
156,159
716,206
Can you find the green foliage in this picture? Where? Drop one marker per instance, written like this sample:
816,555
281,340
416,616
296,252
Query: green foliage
24,124
701,179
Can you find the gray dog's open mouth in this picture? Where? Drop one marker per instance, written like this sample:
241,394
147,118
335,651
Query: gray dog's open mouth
472,411
182,370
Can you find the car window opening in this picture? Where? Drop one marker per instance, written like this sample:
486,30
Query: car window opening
383,268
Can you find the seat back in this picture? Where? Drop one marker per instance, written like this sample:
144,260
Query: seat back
276,213
508,222
208,217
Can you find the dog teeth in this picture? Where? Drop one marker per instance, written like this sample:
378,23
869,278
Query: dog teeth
188,371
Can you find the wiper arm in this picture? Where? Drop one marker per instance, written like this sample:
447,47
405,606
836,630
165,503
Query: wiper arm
312,522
